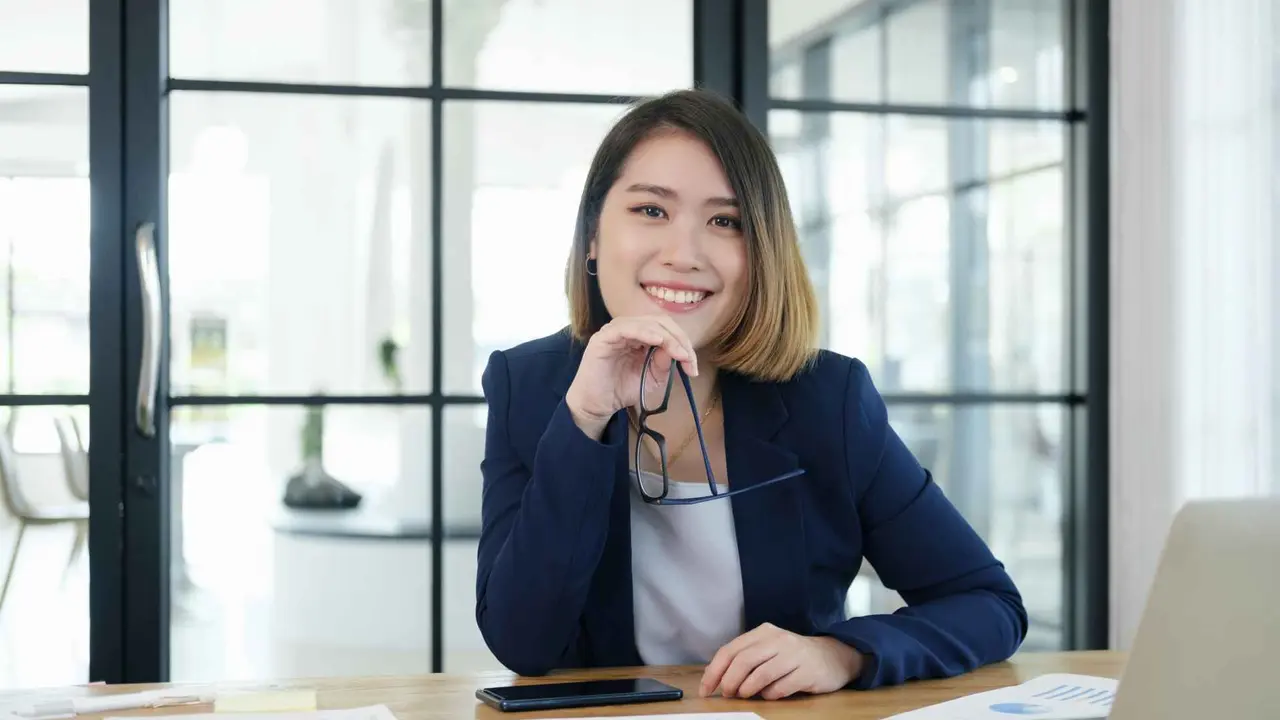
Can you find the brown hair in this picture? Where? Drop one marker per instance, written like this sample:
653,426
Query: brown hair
772,334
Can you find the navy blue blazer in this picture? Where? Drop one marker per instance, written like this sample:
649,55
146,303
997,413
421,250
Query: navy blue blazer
553,586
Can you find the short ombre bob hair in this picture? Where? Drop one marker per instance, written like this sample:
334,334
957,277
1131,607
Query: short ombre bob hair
772,334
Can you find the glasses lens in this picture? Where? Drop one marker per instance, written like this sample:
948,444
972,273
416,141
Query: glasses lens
651,482
651,401
650,458
655,384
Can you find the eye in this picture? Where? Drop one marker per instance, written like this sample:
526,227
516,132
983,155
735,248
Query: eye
727,222
650,211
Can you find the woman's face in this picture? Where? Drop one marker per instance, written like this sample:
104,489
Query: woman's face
670,238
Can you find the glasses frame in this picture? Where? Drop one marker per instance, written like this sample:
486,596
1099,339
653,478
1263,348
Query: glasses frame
643,430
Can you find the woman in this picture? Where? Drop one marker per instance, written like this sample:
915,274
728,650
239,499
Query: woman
685,272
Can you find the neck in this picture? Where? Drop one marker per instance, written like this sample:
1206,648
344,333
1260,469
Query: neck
703,384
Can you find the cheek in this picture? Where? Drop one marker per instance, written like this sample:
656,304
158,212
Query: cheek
731,264
617,258
617,263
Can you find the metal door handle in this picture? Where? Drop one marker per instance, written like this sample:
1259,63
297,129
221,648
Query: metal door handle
149,364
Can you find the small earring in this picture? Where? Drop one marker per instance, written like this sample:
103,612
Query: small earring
591,269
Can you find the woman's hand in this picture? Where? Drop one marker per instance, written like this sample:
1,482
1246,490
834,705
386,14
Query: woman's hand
608,378
774,663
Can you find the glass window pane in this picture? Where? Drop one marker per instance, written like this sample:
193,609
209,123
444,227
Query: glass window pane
583,46
44,240
44,629
935,54
927,52
1026,67
513,177
336,42
812,59
1002,467
47,36
937,246
464,648
299,244
299,593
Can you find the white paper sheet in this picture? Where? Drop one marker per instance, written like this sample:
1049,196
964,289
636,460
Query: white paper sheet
1048,697
371,712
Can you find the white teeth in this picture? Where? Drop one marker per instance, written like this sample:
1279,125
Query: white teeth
684,297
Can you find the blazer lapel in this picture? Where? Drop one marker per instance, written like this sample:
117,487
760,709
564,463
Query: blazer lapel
768,521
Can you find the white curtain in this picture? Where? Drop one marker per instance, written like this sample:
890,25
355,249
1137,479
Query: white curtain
1195,276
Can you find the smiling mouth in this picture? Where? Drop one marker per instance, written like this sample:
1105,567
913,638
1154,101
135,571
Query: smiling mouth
676,297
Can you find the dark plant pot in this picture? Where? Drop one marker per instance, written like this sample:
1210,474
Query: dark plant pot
315,489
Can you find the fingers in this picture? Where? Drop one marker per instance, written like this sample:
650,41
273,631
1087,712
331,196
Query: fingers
768,675
675,341
714,673
785,686
743,664
680,336
661,332
629,334
773,663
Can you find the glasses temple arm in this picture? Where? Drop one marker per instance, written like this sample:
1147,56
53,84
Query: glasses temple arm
697,426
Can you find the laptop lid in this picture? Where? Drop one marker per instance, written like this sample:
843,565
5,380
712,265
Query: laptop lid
1207,643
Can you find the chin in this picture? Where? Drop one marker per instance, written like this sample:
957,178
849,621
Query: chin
699,332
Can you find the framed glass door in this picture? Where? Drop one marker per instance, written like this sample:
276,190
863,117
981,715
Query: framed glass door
63,349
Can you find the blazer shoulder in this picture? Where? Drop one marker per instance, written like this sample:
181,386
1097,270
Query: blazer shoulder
829,370
831,386
543,363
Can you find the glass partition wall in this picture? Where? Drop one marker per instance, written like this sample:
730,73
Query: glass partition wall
297,236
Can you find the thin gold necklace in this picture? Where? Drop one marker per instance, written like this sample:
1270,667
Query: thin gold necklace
671,459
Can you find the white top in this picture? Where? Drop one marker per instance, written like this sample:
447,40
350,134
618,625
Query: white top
686,581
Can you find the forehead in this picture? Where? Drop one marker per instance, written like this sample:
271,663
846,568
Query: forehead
679,161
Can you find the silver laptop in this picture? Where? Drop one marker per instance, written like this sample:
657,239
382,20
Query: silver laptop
1209,638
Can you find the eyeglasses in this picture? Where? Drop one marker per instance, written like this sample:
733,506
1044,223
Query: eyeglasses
643,430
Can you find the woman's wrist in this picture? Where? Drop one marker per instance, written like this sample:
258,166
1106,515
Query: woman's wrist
850,660
590,424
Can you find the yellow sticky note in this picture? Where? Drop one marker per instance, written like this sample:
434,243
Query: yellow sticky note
266,701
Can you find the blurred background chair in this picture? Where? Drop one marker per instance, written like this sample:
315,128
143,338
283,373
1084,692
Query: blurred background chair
16,509
75,464
75,456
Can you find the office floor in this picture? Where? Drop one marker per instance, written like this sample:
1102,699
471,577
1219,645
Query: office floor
44,625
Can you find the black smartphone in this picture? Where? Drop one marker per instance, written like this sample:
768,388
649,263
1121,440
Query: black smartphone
555,696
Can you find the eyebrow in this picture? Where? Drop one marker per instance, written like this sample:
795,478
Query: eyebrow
666,192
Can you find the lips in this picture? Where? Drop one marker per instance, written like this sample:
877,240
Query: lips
678,296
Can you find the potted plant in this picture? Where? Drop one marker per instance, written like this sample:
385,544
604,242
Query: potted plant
312,487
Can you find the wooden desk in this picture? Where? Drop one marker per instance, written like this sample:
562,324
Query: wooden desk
432,697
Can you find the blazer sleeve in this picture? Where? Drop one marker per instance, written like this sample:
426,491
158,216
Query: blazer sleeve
963,610
543,529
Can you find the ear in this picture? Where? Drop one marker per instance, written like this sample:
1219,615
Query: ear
593,250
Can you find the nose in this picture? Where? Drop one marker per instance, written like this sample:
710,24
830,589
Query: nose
681,249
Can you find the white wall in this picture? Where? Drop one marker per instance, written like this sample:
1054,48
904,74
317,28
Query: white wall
1194,360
